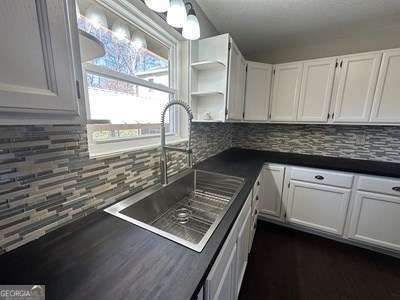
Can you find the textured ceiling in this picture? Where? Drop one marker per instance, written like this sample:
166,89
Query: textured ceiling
263,25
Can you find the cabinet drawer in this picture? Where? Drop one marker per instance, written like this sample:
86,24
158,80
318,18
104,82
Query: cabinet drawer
323,177
257,185
380,185
256,200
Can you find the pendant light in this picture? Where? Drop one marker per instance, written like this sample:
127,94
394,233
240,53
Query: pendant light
96,16
176,15
159,6
191,28
121,30
138,40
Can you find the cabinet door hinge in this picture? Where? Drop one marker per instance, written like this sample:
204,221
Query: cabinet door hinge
329,115
78,89
247,67
284,216
229,45
341,63
288,185
336,65
243,115
269,115
226,111
274,72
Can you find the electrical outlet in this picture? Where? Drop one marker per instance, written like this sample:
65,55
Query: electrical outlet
361,139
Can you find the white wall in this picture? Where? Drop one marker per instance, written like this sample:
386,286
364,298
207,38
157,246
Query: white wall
377,35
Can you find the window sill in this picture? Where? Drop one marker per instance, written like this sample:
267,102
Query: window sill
105,150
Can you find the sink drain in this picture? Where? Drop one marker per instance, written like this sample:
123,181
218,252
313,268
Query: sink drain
182,215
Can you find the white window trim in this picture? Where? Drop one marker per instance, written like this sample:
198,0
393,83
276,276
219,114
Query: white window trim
134,16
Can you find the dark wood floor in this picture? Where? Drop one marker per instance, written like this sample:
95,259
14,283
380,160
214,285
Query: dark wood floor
289,264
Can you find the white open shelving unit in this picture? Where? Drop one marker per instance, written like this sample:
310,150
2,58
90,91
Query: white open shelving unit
208,78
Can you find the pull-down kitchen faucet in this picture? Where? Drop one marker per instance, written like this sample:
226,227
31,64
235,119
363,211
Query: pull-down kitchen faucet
164,148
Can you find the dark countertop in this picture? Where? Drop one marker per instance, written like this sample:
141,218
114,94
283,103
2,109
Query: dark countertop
104,257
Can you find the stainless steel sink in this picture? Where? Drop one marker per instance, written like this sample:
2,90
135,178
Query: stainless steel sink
187,210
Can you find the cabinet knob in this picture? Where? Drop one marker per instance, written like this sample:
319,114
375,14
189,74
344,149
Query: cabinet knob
258,183
396,188
319,177
257,198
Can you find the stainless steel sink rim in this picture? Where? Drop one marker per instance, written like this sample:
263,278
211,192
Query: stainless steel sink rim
118,207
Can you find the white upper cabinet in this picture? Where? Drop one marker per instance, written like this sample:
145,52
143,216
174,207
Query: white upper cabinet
37,73
386,105
286,91
316,90
258,87
356,86
236,83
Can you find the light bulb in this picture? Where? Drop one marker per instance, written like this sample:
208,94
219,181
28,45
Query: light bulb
96,16
176,15
191,28
138,40
121,30
159,6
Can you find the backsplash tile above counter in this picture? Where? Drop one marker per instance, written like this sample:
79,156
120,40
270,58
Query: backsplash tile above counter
374,142
47,178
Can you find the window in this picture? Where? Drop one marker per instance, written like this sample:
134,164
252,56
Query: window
126,88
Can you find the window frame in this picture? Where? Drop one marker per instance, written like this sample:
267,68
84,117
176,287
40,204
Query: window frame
128,12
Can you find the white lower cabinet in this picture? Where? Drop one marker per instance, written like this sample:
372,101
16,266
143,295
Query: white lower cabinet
375,219
243,249
318,206
226,288
271,190
224,280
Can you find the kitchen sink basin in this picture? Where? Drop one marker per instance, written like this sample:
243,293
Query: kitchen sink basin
186,211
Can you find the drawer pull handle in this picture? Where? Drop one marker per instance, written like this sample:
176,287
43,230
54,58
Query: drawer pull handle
396,189
319,177
256,198
258,183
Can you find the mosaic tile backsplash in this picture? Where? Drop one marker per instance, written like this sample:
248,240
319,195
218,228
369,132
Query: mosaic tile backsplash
48,180
380,142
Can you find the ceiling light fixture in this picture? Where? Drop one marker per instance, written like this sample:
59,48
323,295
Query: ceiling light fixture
159,6
176,15
138,40
96,16
191,28
121,30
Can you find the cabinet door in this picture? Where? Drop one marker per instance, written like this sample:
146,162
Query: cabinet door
37,73
243,249
317,206
226,289
258,85
286,91
316,90
386,106
236,83
357,82
375,219
271,193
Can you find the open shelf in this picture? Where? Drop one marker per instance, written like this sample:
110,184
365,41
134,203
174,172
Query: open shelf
208,64
206,94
